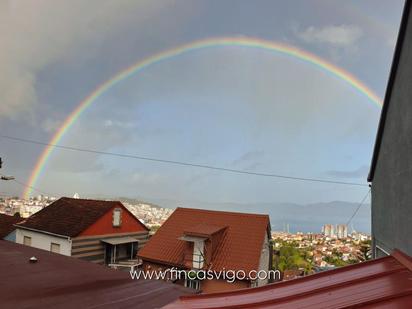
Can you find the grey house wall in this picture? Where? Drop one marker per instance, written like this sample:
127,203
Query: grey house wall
392,180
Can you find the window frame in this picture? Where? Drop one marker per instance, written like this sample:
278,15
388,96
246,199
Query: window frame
119,223
27,243
55,244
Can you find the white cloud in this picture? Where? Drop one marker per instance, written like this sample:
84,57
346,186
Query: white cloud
35,34
120,124
338,36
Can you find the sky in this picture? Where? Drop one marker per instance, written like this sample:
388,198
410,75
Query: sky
233,107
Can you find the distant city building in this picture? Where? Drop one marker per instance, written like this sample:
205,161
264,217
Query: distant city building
328,230
342,231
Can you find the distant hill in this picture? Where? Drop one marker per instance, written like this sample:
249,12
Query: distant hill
129,200
137,201
303,218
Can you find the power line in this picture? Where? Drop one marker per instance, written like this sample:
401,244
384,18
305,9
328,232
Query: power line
47,194
39,191
359,206
181,163
31,187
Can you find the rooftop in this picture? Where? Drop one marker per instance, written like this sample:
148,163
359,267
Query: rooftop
58,281
242,231
382,283
6,224
68,216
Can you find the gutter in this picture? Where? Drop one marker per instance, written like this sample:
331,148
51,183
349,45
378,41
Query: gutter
42,232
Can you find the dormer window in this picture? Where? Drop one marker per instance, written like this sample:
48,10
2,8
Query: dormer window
117,217
201,241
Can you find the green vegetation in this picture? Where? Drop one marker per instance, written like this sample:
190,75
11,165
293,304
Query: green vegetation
290,257
365,252
154,228
336,259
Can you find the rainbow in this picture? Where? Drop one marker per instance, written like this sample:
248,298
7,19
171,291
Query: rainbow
271,46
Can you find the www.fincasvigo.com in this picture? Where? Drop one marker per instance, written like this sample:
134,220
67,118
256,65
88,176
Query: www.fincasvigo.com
228,275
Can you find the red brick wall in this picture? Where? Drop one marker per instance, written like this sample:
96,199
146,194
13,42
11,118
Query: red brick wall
104,225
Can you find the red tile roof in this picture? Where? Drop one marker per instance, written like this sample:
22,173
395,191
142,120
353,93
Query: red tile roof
240,248
68,216
6,224
381,283
58,281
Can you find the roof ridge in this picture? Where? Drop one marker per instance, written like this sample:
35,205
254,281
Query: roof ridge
330,287
222,212
402,258
89,199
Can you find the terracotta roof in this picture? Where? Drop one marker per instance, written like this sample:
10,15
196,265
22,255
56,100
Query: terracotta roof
382,283
69,216
6,224
239,249
58,281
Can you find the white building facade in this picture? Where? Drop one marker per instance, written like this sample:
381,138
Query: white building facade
46,241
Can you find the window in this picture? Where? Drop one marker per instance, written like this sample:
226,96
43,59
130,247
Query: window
55,247
27,240
117,217
131,250
193,284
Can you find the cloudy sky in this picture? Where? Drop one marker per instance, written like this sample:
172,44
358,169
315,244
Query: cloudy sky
233,107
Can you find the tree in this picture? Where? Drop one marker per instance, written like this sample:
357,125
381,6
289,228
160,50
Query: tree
291,258
365,252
